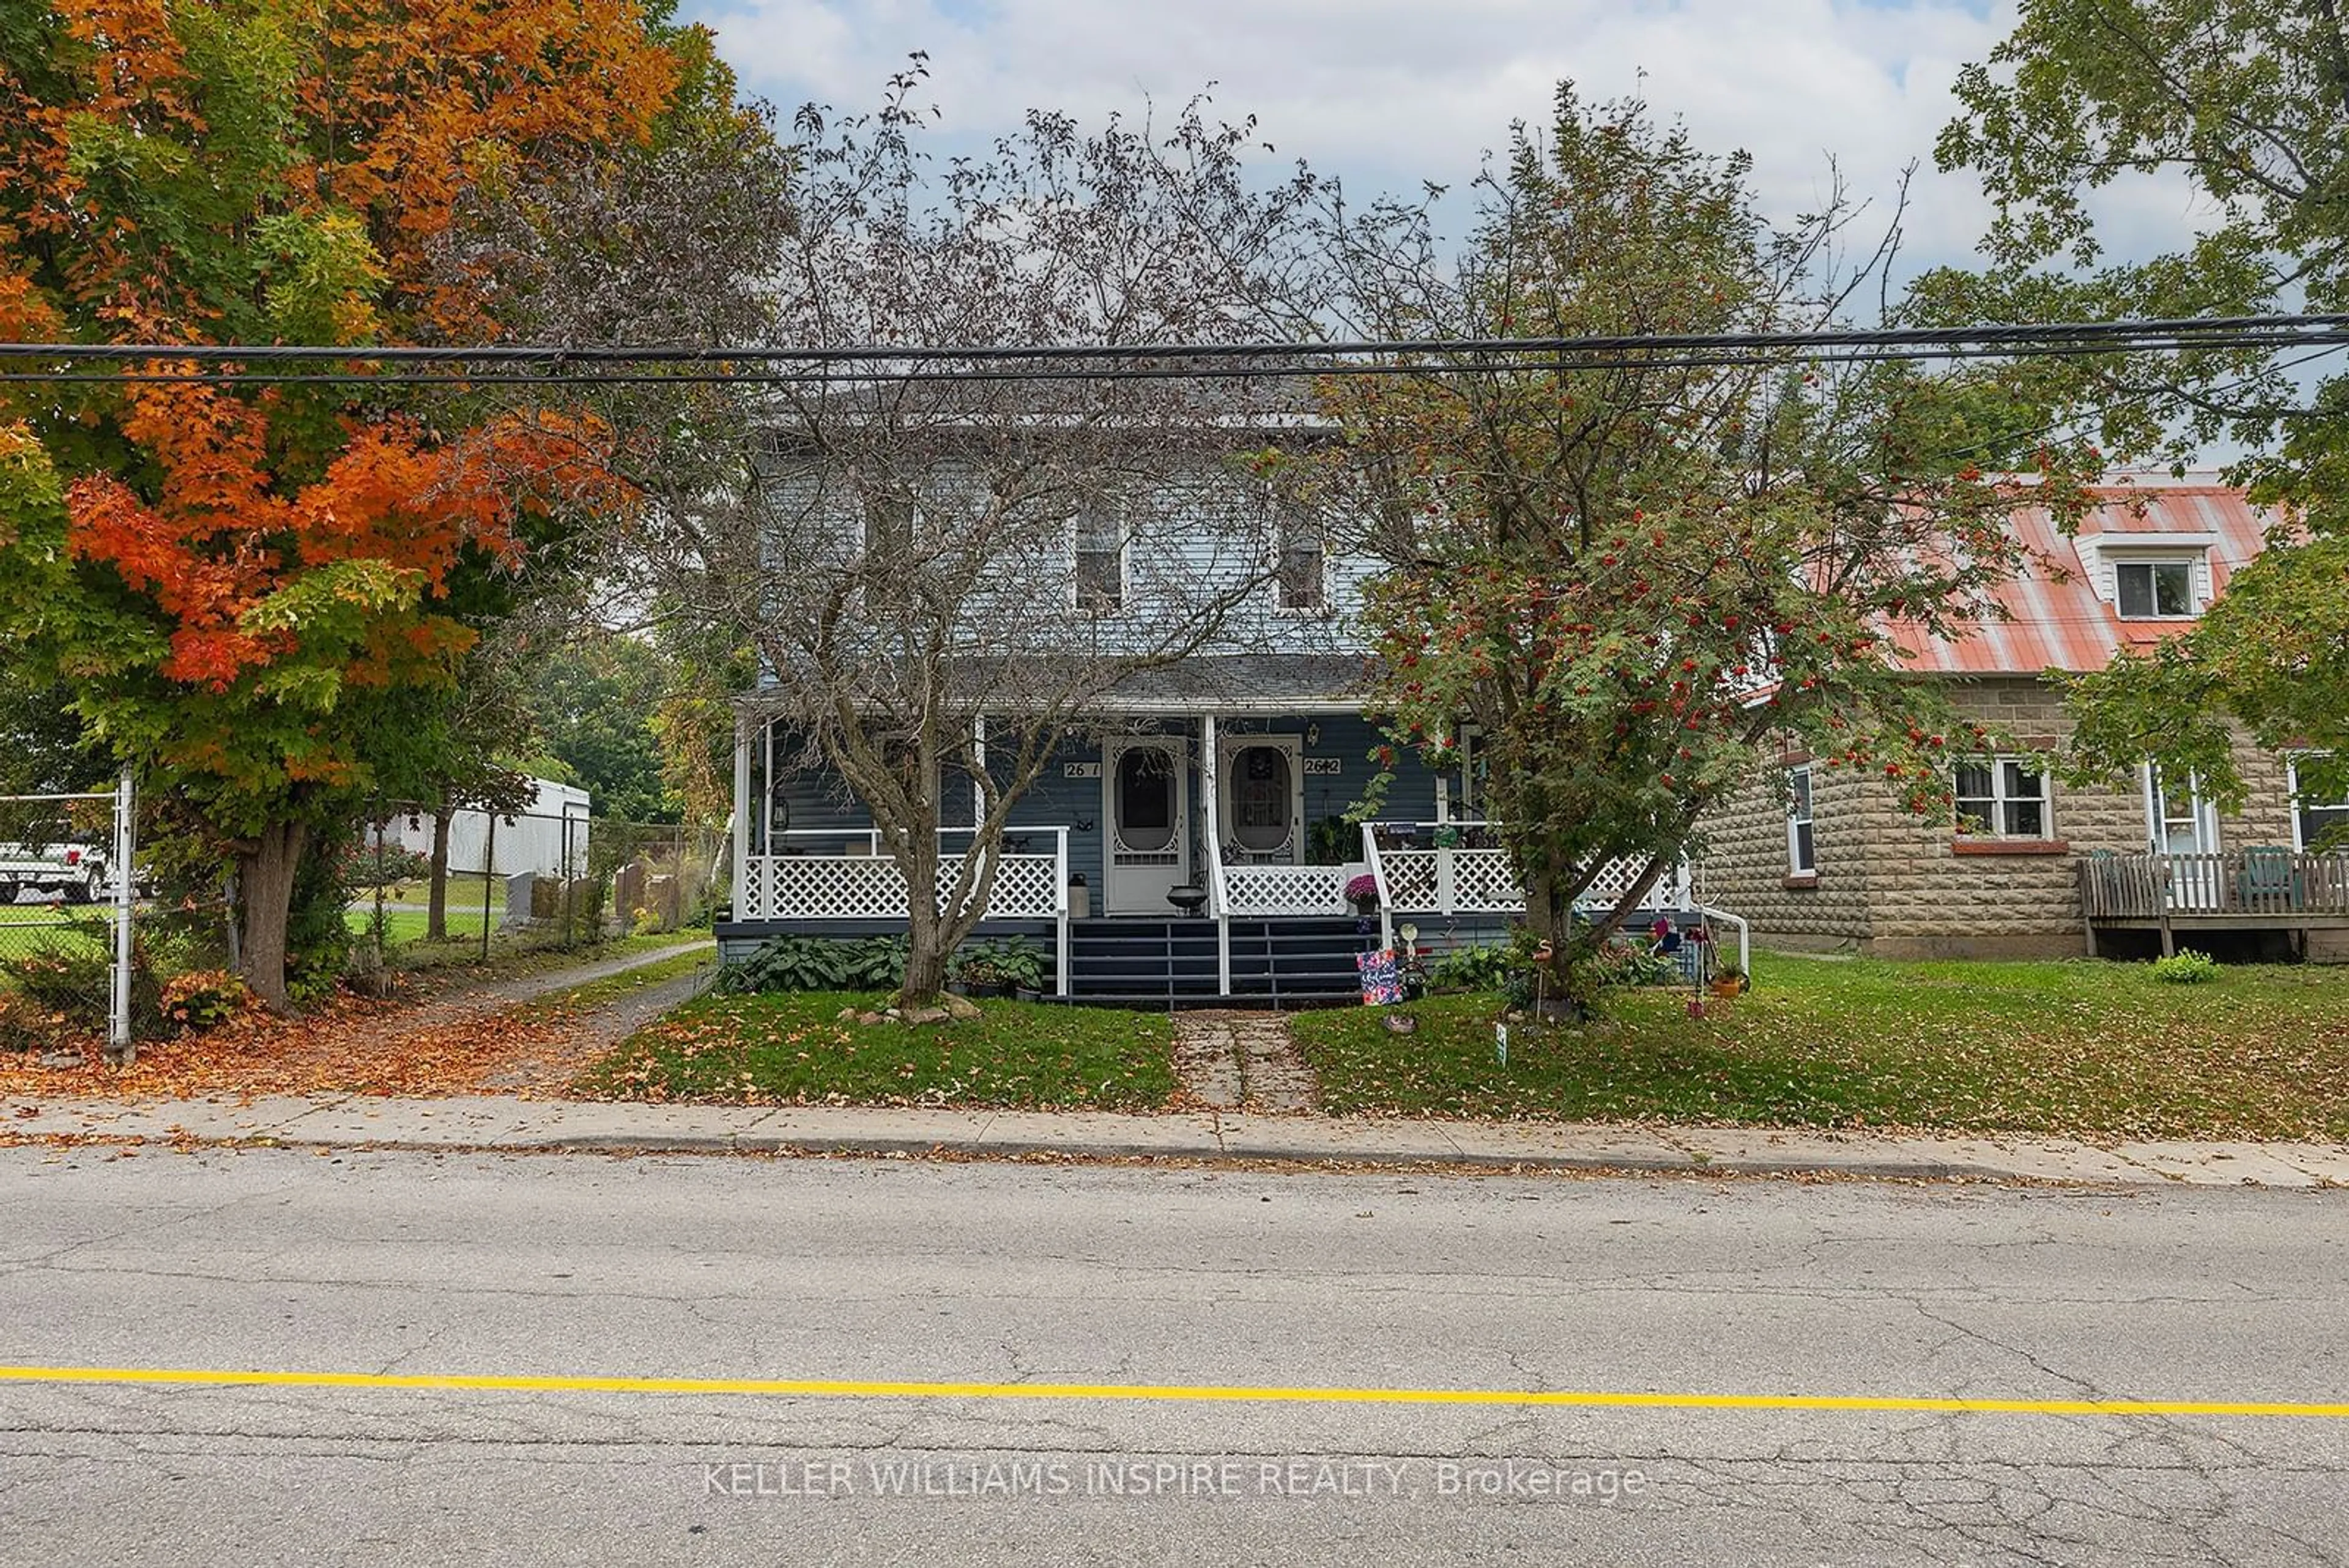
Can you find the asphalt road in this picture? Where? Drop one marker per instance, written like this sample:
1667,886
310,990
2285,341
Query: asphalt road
1103,1279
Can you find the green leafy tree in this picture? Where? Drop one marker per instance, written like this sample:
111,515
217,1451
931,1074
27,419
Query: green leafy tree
42,748
259,597
597,701
1629,575
2249,106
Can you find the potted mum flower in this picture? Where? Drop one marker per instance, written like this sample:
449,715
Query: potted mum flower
1362,892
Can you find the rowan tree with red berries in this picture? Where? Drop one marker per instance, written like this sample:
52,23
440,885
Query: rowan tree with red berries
1629,570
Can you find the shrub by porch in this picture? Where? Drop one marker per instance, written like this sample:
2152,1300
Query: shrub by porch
2078,1049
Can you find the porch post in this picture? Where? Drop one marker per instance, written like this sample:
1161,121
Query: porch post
1211,806
1061,882
1442,796
1207,769
978,753
743,818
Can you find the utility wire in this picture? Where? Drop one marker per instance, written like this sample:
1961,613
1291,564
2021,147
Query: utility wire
755,364
847,376
2155,331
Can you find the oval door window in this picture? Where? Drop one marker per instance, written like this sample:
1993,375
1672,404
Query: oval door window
1261,786
1145,799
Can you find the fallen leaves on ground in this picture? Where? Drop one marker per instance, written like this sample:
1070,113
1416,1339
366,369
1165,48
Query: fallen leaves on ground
351,1045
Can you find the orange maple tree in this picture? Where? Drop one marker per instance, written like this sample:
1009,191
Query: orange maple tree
259,596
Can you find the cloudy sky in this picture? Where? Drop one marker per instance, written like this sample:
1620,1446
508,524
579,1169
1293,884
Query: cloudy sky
1387,93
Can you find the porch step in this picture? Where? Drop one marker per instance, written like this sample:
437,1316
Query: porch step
1300,961
1185,1002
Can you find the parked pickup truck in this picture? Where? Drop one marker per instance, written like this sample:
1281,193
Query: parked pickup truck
58,868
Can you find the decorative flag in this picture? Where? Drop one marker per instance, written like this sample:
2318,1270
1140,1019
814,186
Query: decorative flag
1381,978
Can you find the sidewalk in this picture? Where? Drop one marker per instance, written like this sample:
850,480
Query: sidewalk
513,1123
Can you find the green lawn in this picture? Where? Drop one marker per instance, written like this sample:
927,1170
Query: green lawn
30,928
51,914
2087,1048
464,887
530,951
790,1049
404,926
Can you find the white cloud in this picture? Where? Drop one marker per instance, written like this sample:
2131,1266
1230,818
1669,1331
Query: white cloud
1387,93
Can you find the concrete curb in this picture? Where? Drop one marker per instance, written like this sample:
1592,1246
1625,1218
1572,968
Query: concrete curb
508,1123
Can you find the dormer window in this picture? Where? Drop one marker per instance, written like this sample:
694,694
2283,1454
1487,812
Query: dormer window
2155,590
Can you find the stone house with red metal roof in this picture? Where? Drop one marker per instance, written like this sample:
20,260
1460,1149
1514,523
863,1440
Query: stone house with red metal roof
2034,867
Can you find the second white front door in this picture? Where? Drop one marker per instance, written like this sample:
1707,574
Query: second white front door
1262,812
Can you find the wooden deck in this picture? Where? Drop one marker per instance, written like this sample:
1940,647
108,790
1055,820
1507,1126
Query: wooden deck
2239,889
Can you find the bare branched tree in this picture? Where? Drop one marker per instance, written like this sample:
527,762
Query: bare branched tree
921,550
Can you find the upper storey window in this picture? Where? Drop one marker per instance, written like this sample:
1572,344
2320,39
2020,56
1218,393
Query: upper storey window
1301,573
2155,590
1098,556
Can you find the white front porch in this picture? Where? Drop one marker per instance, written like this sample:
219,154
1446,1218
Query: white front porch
1204,819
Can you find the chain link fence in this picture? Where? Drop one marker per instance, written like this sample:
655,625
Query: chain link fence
63,920
79,951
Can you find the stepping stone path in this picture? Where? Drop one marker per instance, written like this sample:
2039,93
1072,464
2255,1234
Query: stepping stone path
1242,1061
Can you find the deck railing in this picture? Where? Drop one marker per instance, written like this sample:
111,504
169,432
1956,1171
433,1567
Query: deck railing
2247,884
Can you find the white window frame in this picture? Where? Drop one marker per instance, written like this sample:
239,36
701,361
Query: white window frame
2159,797
2001,798
1802,811
2151,565
877,590
2300,839
1097,512
1284,519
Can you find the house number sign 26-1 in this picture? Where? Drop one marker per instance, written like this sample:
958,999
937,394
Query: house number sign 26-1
1081,770
1325,764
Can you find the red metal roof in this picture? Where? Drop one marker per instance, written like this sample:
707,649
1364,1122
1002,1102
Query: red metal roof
2055,616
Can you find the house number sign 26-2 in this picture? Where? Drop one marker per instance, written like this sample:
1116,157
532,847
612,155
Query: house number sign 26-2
1325,764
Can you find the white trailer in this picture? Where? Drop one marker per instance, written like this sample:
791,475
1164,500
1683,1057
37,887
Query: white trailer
548,836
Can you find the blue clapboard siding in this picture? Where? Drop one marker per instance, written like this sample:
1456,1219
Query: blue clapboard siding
1057,800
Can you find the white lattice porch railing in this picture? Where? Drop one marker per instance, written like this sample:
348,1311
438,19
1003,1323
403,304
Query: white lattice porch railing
1478,881
1251,890
869,887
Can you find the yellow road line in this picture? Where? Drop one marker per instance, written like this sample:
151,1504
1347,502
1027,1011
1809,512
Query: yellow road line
849,1388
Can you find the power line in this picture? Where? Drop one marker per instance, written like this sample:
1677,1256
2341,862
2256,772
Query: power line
2150,333
537,365
831,376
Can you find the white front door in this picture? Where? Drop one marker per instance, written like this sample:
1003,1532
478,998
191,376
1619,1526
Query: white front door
1146,805
1262,812
2179,822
